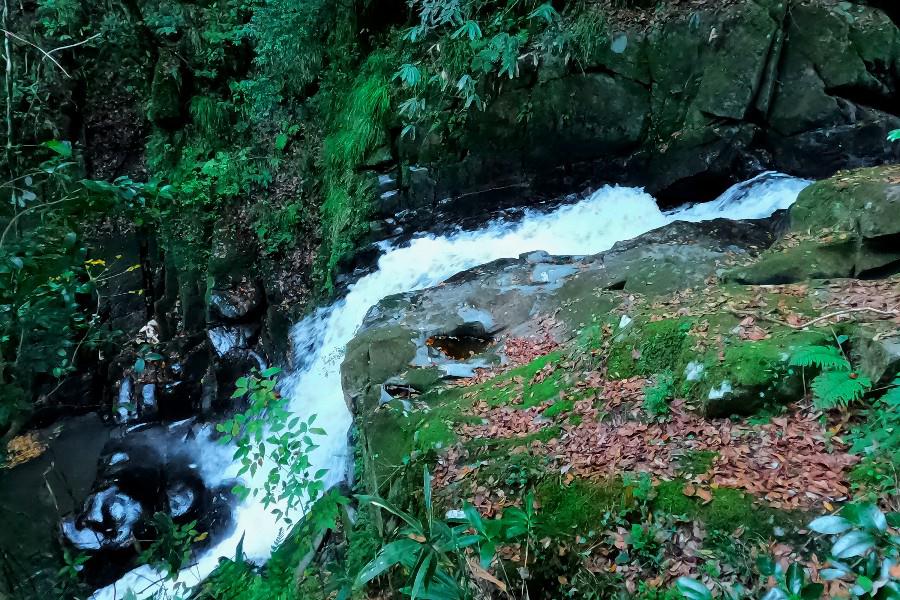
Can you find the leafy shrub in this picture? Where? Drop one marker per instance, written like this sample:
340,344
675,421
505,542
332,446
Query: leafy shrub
877,440
267,434
864,552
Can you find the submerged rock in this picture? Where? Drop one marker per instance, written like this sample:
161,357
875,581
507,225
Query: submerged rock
142,473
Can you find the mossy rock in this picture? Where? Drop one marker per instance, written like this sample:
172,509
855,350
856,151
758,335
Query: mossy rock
586,116
810,259
877,356
845,226
165,108
820,33
865,202
732,75
623,53
371,358
648,348
753,374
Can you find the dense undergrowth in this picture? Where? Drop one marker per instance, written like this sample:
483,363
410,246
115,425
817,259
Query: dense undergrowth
263,117
274,117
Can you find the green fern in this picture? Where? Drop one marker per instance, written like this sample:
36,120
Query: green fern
892,398
839,388
827,358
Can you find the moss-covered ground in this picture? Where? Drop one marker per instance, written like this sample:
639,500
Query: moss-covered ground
636,467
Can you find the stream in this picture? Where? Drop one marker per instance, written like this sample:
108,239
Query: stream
589,226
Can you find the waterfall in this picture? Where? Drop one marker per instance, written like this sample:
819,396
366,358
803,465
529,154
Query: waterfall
592,225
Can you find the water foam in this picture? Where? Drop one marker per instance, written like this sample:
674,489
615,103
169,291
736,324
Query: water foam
592,225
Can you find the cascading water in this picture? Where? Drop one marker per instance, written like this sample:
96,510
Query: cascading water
592,225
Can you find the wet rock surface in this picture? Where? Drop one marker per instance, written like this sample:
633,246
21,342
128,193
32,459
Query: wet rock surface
506,296
682,280
141,473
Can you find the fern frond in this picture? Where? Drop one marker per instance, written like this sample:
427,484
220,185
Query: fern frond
839,388
828,358
892,398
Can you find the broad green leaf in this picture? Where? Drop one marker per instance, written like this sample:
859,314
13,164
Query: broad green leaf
692,589
892,397
855,543
830,525
270,372
832,574
775,594
865,583
391,554
812,591
426,486
795,578
486,554
63,149
473,517
423,574
385,505
765,565
870,517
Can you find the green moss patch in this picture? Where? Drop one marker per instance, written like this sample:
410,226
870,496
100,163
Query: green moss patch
728,510
580,506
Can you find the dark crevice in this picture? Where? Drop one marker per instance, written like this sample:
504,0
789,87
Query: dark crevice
604,70
759,107
865,98
702,187
883,272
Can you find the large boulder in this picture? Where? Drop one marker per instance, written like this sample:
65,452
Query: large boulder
399,344
846,226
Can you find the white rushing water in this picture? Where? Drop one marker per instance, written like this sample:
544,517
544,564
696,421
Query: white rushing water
592,225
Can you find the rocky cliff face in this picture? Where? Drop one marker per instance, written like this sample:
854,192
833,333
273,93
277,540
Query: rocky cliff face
683,107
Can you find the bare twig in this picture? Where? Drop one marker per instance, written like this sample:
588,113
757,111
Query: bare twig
76,44
884,313
10,88
46,54
847,311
